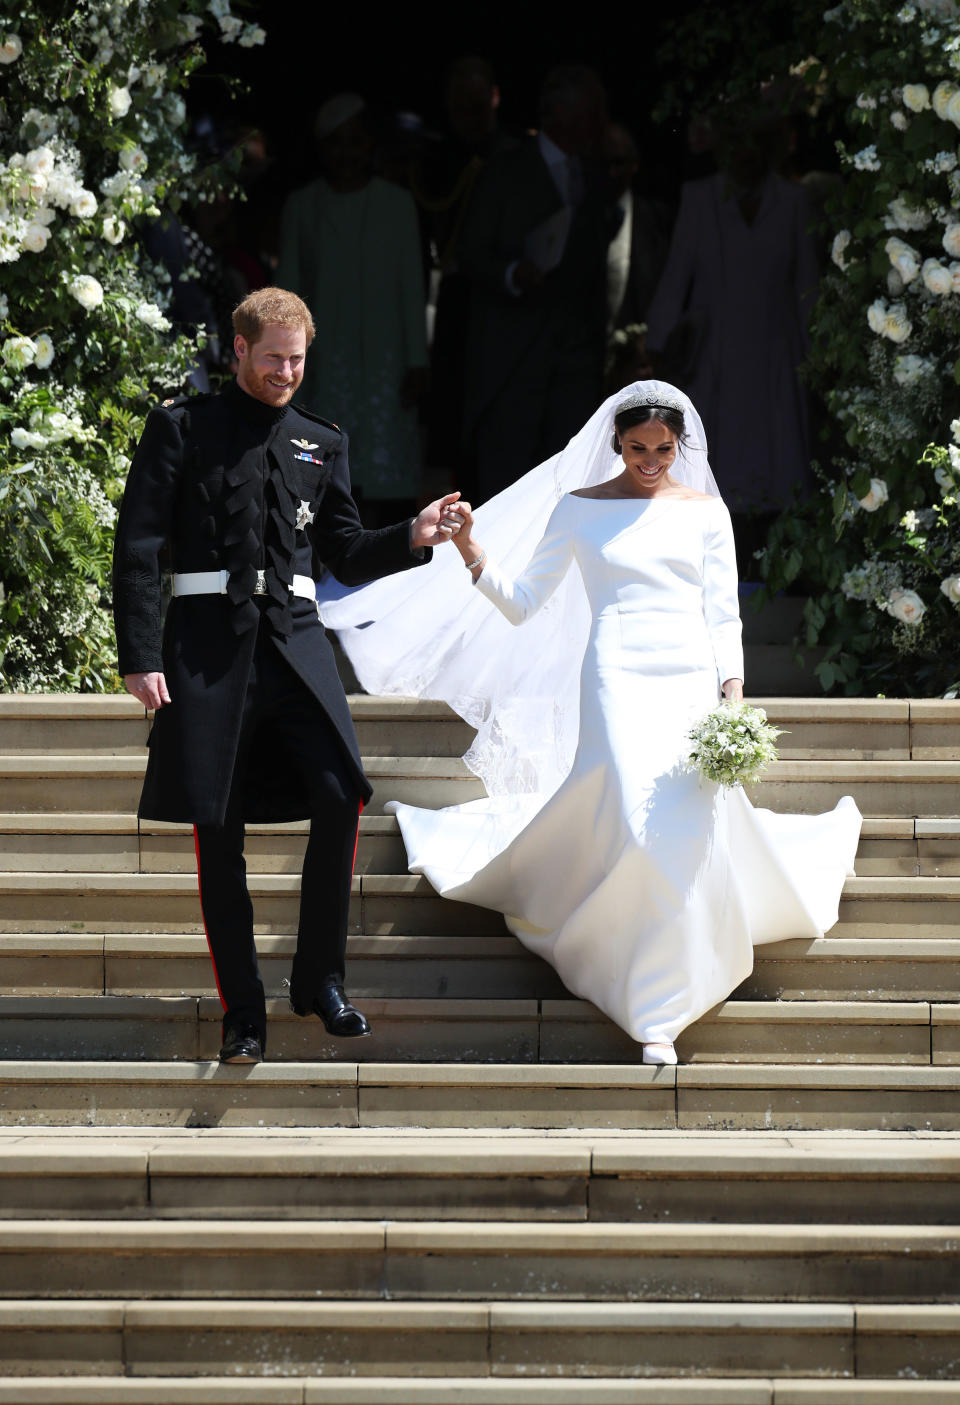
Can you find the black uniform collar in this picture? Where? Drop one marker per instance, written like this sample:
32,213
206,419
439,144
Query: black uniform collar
255,412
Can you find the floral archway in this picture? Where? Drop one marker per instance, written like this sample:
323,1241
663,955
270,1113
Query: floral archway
92,125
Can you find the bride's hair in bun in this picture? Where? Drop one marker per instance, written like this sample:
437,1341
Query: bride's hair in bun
628,416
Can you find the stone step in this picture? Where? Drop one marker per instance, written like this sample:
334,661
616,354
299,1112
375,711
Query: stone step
460,967
389,905
112,783
677,1178
469,1390
74,841
786,1097
512,1030
880,788
402,1260
477,1340
66,724
842,728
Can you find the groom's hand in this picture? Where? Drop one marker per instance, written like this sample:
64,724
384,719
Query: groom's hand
436,524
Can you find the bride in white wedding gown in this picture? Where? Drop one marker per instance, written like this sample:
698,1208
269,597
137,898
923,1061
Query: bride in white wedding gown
645,886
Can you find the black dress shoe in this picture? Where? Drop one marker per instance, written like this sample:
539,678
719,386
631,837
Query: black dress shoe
242,1045
339,1016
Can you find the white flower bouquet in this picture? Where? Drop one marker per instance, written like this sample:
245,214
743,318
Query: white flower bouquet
733,744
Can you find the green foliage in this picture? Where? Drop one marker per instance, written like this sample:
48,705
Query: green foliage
883,360
91,142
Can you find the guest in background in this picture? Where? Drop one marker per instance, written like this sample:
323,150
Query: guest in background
442,185
638,249
350,249
730,320
534,250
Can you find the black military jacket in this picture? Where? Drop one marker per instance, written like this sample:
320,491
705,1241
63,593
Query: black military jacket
223,482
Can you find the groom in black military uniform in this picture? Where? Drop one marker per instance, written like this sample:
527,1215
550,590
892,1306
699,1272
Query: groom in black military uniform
244,497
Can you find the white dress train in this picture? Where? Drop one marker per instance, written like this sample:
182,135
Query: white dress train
646,887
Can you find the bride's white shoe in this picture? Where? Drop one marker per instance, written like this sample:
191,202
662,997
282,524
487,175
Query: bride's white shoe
659,1054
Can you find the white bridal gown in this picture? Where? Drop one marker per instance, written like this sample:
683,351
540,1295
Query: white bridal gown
645,886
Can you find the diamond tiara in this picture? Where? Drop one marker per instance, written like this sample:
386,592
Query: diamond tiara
635,402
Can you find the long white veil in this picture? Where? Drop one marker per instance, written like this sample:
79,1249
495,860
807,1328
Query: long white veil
430,634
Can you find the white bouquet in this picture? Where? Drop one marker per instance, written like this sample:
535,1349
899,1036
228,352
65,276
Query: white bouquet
733,744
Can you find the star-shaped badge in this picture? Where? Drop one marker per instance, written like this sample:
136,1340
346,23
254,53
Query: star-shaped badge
304,515
302,444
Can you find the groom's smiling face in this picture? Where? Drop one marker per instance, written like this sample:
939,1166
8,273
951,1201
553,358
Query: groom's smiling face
271,368
649,451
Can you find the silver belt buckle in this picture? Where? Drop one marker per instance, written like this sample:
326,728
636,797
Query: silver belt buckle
261,586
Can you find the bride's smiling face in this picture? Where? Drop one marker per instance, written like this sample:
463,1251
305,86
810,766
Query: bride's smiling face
649,451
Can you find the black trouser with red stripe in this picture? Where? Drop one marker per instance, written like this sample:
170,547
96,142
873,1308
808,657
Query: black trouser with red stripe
281,714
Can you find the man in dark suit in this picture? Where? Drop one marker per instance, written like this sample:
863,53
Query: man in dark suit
246,497
533,248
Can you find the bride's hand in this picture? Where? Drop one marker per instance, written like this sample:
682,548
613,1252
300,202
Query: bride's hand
732,690
461,519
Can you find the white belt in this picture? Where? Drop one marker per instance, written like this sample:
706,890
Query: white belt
215,583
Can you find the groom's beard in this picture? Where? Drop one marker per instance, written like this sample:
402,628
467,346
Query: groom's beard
270,390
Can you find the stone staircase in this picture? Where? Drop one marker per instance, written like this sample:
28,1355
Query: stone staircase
491,1201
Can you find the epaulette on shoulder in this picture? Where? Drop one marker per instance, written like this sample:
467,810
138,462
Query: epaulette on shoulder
180,402
317,419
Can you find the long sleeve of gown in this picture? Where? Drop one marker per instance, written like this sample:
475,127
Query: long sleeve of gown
519,599
721,604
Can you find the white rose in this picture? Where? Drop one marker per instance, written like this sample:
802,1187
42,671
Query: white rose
62,189
87,291
154,74
904,216
841,241
954,424
252,36
44,215
18,352
906,606
905,260
84,205
897,325
133,159
937,278
11,47
877,316
876,497
954,453
951,240
120,101
218,8
113,229
942,94
150,314
41,160
951,589
900,120
230,27
115,185
952,110
27,439
35,239
916,96
45,352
